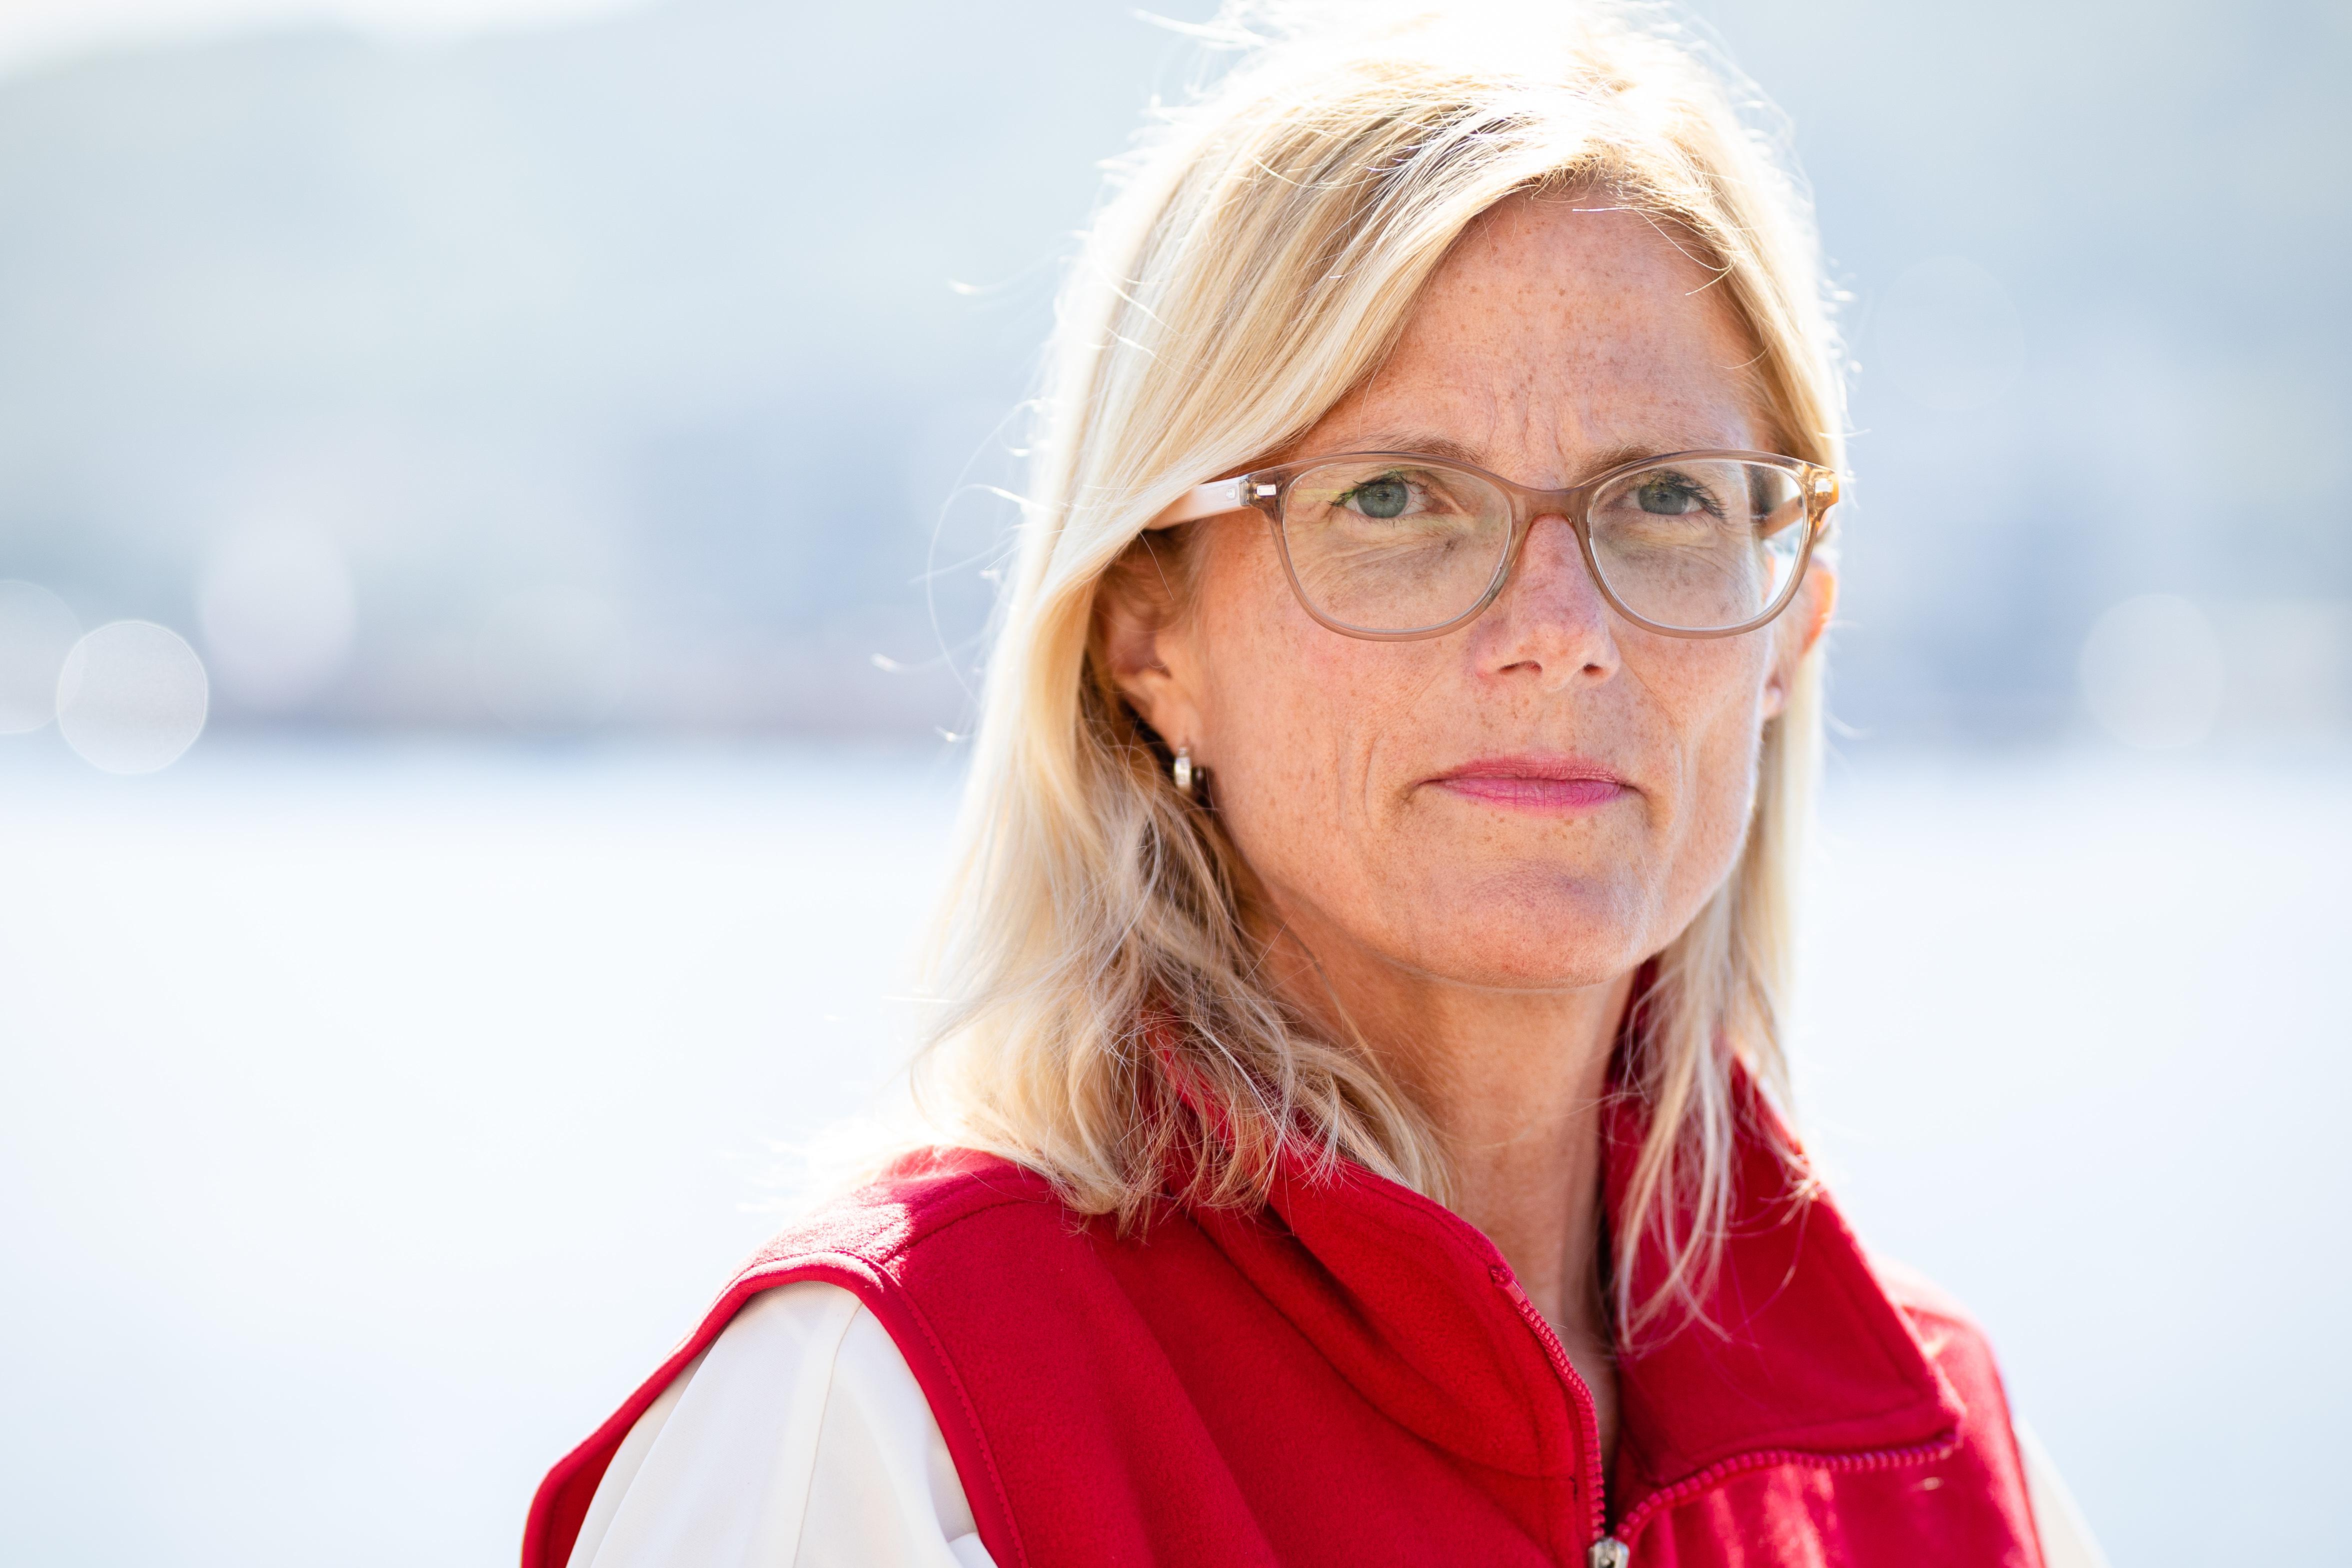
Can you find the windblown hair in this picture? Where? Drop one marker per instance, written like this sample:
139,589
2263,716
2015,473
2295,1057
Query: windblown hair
1257,257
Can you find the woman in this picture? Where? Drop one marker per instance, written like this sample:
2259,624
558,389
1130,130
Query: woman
1375,911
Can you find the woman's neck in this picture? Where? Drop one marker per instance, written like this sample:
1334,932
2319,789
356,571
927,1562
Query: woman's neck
1511,1082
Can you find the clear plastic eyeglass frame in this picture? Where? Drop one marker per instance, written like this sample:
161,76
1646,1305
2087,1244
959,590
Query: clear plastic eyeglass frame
1265,491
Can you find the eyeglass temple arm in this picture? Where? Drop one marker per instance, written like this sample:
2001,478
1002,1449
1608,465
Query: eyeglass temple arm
1216,497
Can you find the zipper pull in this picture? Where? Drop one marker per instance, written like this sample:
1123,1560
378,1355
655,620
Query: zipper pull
1609,1552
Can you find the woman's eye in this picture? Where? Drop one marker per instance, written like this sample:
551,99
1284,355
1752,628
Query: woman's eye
1384,497
1670,497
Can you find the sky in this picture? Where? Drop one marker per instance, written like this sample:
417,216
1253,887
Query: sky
567,364
33,32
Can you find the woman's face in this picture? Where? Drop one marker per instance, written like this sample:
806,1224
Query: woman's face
1545,797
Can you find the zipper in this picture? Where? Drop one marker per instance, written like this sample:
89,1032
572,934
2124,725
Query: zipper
1612,1551
1588,1424
1723,1470
1606,1549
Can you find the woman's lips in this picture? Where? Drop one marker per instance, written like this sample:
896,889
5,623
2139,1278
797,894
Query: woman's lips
1557,785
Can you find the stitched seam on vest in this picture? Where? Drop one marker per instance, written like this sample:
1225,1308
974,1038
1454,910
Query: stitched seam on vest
901,1299
888,1290
557,1494
940,1350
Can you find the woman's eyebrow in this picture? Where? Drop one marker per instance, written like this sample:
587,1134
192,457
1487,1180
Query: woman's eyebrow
1631,453
1420,444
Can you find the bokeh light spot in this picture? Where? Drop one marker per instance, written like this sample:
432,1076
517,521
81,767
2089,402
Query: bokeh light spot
2151,672
132,697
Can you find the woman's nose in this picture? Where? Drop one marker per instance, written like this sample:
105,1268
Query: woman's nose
1550,620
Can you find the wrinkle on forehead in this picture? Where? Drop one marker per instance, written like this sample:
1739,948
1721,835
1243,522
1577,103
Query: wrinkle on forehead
1554,335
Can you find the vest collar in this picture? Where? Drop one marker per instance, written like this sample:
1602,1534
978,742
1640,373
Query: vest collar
1801,1356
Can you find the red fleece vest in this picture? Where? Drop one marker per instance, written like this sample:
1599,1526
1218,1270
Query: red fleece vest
1352,1376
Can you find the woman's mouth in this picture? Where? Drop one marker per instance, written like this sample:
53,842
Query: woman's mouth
1542,784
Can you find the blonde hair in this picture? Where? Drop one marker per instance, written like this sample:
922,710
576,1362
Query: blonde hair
1259,257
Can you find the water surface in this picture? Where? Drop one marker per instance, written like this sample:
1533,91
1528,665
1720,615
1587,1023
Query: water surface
373,1116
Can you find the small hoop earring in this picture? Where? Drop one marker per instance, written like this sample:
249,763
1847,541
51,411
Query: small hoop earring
1180,770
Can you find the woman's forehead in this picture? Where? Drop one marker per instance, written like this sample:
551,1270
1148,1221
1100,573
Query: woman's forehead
1555,329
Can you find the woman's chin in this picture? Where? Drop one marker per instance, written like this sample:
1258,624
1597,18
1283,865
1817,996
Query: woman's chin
1561,939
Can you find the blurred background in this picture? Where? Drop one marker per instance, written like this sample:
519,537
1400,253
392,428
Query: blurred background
497,503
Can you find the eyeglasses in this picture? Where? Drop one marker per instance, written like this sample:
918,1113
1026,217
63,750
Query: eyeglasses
1395,545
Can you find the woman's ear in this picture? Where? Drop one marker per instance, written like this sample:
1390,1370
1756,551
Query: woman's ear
1798,629
1145,643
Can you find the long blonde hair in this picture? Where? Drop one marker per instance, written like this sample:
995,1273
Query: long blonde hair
1257,257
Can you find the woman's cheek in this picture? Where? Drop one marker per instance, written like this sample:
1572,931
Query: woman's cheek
1713,709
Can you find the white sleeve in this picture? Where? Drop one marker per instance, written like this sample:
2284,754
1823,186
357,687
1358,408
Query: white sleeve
2066,1539
798,1440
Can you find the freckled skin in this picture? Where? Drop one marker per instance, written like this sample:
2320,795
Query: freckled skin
1489,952
1548,339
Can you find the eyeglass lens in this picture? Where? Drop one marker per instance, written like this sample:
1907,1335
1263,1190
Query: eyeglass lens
1696,544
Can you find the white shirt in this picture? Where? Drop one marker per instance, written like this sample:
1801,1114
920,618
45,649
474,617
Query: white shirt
800,1440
